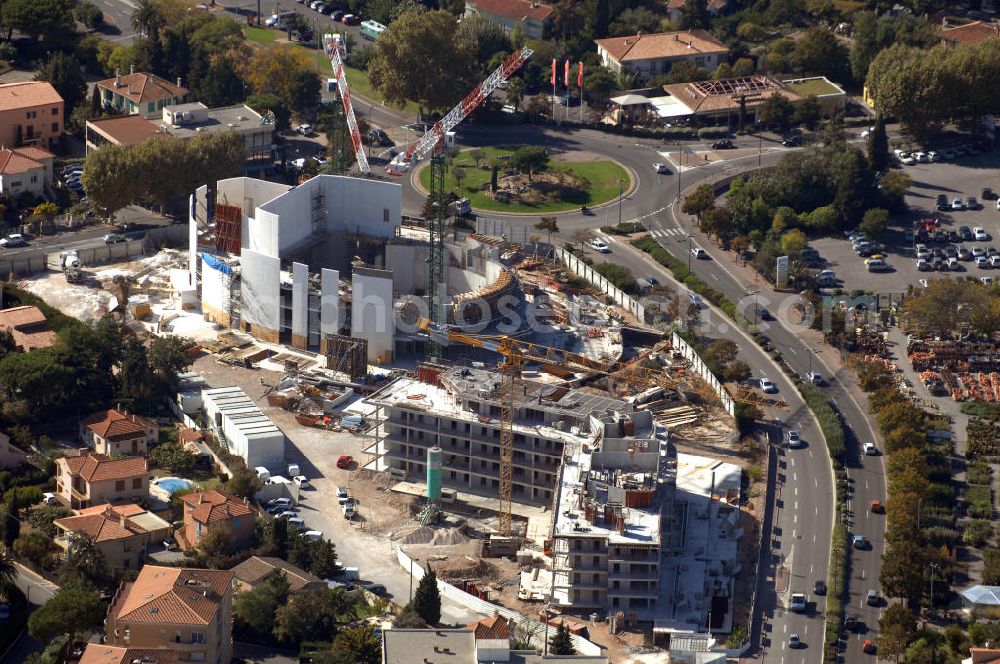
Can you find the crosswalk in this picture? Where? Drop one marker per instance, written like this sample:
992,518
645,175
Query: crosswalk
666,232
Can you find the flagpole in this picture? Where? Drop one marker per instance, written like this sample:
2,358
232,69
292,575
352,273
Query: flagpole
554,90
581,93
566,81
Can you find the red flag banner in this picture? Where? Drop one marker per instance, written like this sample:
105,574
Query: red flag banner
553,79
579,76
566,74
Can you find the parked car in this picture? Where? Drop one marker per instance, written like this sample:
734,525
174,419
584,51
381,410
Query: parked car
723,144
942,202
305,129
965,233
301,481
114,238
313,535
344,461
13,240
350,19
972,204
980,234
279,502
957,205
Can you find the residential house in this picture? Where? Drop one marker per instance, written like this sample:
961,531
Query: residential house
116,432
654,54
715,8
140,93
209,510
982,656
531,16
462,646
188,611
10,455
31,113
975,32
28,326
123,533
256,570
185,121
492,628
98,653
94,479
25,170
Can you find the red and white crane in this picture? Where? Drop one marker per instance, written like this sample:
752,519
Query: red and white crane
336,51
426,143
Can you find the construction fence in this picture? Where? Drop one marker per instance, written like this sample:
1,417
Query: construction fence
699,366
530,626
626,302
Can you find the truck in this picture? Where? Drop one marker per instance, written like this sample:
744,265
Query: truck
69,261
347,507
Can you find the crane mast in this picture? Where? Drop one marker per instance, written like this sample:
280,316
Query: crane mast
335,50
426,143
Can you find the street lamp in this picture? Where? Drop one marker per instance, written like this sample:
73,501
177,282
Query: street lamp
690,237
621,194
930,602
680,169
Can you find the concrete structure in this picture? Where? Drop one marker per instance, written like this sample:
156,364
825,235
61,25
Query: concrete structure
655,54
10,456
140,93
31,113
97,653
462,646
117,432
372,311
28,326
531,16
122,533
256,570
983,600
187,611
460,414
185,121
715,8
25,170
210,510
247,432
85,481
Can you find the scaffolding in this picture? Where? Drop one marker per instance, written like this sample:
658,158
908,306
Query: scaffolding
347,355
228,228
233,283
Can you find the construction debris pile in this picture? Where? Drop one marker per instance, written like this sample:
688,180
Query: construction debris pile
315,402
965,369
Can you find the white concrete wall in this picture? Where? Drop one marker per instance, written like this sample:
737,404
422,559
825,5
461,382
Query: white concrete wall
329,302
371,312
214,291
408,263
260,289
300,299
249,193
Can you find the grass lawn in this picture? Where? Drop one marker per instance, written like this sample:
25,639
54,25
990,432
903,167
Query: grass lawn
260,35
601,176
816,86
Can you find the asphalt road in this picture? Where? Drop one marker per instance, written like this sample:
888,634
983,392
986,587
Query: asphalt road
38,591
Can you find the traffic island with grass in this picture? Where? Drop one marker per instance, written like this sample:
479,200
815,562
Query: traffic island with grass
527,181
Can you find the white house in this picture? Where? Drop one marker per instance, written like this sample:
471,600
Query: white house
25,170
654,54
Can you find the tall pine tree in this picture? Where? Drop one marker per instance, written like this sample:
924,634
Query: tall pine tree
878,146
560,644
427,599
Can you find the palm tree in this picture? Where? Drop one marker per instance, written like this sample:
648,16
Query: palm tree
8,572
145,17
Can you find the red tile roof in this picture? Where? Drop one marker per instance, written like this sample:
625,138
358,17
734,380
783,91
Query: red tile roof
103,523
97,653
661,45
141,87
115,424
212,506
172,595
125,129
12,162
256,569
513,9
495,627
971,33
27,94
27,324
99,468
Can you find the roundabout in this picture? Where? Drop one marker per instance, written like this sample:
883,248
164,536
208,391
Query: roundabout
491,180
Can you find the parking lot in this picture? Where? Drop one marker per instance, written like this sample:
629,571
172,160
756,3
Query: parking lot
961,178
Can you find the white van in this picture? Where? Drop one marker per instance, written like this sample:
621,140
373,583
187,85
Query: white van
263,474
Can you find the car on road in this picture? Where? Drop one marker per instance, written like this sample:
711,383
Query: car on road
819,587
114,238
767,386
850,622
597,244
871,597
660,167
798,603
762,313
723,144
877,507
859,542
794,440
870,449
792,142
814,377
305,129
13,240
699,253
980,234
868,647
344,461
794,642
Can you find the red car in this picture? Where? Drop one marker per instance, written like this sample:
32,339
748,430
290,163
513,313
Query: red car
350,19
868,647
877,507
344,461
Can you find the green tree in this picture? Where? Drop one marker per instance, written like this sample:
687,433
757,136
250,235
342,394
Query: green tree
531,159
721,352
35,18
809,112
977,532
243,483
635,20
878,147
218,543
307,616
418,59
172,457
483,39
560,643
894,186
63,72
700,201
694,14
866,44
902,572
8,570
874,223
819,52
743,67
89,14
548,224
41,519
358,644
323,558
686,71
85,563
74,608
408,618
255,609
427,599
515,92
619,275
145,18
793,242
897,629
270,102
776,112
167,358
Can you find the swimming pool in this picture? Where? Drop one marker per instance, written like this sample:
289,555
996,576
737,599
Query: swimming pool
172,485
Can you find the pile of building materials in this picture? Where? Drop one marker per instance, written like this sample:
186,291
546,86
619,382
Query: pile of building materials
957,356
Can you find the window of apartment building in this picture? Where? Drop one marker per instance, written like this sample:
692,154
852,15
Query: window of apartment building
55,126
120,485
55,111
127,546
15,184
385,215
177,636
34,178
30,115
197,637
150,107
136,482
